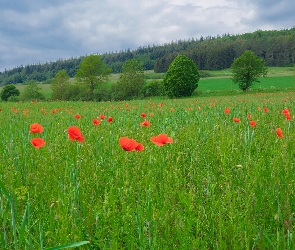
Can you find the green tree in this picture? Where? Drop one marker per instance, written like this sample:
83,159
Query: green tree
181,78
9,90
31,92
92,71
60,84
131,82
247,68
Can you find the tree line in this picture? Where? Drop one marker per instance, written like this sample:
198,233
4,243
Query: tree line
276,47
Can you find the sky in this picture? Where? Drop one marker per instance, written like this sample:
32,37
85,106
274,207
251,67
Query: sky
47,30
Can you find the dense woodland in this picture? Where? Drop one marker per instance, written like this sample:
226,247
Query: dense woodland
276,47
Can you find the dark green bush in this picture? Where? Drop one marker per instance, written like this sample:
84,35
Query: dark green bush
181,78
9,90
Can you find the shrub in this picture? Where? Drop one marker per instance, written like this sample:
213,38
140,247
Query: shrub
181,78
154,88
32,92
9,90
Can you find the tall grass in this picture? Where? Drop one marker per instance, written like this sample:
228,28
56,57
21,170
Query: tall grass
219,185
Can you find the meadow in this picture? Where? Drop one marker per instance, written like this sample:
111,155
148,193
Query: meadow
225,180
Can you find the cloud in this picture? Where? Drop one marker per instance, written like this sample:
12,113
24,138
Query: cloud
39,31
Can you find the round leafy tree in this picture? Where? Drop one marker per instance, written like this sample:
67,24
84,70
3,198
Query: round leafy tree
181,78
9,90
246,69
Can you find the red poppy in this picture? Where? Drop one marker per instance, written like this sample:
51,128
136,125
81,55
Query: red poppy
151,114
161,139
226,111
285,111
288,117
265,110
249,116
36,128
236,119
129,144
110,119
145,123
143,115
252,123
95,122
77,116
38,142
75,134
279,133
102,117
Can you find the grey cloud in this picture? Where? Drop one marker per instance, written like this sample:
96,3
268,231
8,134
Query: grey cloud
39,31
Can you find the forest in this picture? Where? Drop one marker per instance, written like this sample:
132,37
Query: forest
276,47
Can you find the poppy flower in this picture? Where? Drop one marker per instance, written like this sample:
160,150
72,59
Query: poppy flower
110,119
288,117
36,128
102,117
161,139
38,142
226,111
143,115
145,123
129,144
249,116
265,110
95,122
77,116
236,119
285,111
75,134
279,133
252,123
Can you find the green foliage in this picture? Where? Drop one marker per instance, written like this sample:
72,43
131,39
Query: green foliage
77,92
91,72
9,90
246,69
31,92
59,85
154,88
131,82
181,78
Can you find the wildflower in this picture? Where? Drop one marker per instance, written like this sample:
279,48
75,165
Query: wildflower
36,128
38,142
143,115
145,123
226,111
236,119
77,116
285,111
279,133
129,144
110,119
102,116
249,116
75,134
288,117
252,123
265,110
95,122
151,114
161,139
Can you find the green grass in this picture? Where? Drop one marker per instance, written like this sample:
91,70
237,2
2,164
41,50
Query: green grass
219,185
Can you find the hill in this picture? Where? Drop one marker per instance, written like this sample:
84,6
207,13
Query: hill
276,47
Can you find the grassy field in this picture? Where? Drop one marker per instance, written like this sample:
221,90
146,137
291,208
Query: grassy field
221,184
